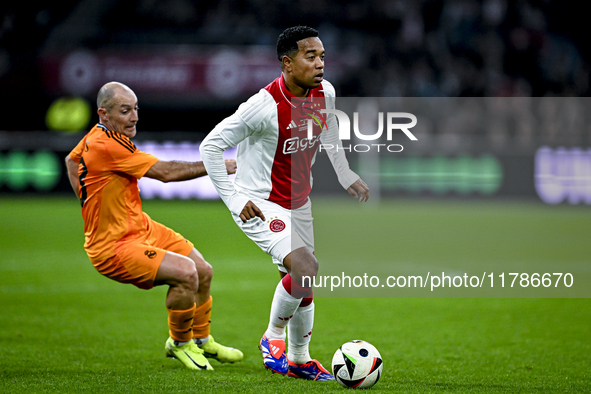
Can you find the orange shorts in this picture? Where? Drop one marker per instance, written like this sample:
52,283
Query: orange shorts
137,260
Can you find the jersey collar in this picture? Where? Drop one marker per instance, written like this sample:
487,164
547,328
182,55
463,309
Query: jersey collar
102,126
292,100
106,129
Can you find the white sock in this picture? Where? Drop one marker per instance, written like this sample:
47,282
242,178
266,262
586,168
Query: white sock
200,341
283,307
300,332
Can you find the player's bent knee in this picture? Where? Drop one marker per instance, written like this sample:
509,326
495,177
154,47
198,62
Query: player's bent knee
205,272
190,277
204,269
303,263
310,268
176,270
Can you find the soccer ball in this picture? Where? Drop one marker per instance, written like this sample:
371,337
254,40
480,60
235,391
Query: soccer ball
357,364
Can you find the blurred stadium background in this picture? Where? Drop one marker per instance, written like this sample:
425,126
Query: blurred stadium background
479,187
192,63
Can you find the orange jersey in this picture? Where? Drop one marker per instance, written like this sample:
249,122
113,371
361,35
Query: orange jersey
109,167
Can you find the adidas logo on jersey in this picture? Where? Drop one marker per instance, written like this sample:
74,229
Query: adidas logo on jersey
292,125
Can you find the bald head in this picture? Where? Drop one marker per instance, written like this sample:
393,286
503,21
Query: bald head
117,108
106,94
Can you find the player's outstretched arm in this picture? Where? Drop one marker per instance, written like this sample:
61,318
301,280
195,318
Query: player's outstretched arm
175,171
359,190
72,168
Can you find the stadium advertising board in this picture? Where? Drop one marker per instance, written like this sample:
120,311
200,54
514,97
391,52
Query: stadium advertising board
463,147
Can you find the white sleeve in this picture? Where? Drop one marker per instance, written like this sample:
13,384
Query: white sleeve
249,119
330,137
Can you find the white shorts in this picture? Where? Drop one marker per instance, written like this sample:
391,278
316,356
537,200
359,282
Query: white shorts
282,232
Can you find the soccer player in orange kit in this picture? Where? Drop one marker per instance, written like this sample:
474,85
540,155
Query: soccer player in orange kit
125,244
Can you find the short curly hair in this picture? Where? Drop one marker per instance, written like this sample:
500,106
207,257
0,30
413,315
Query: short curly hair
287,43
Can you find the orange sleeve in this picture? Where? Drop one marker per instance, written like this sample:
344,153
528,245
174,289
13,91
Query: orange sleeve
137,164
127,158
76,153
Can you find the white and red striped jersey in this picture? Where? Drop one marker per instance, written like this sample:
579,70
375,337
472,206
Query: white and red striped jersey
274,155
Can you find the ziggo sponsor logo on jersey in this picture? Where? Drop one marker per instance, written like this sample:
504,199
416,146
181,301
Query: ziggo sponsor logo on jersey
295,144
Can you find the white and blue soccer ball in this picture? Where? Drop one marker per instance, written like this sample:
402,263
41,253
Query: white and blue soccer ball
357,364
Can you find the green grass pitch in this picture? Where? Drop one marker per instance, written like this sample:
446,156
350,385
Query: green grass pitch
65,328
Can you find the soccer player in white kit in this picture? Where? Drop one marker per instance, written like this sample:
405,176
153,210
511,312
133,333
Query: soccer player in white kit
269,197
